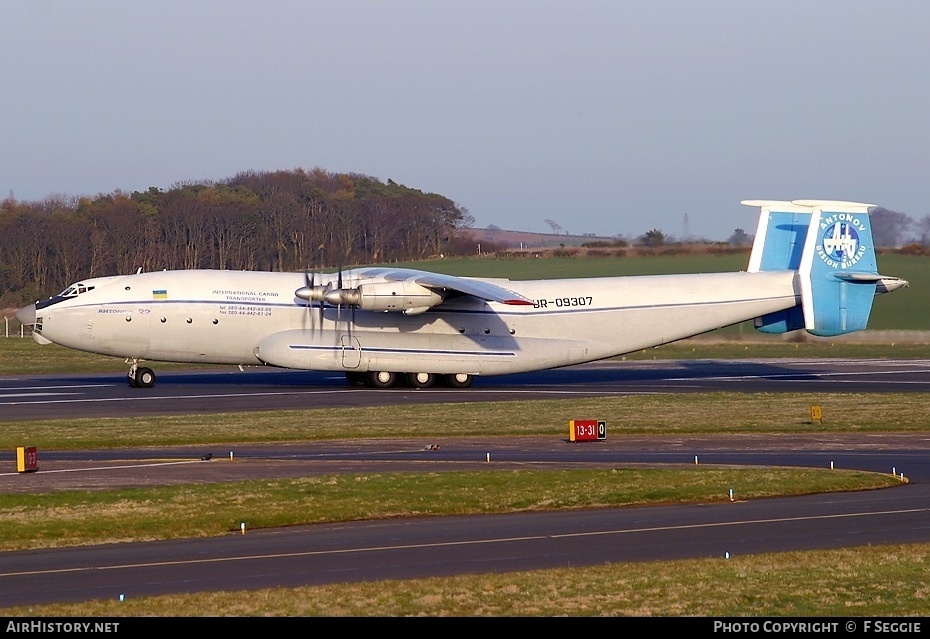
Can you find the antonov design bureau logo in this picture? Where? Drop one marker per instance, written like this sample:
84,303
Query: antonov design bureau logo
839,245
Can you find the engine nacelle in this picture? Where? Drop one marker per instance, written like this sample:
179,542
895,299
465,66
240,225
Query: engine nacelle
402,296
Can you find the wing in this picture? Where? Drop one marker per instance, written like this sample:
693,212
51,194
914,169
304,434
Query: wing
440,283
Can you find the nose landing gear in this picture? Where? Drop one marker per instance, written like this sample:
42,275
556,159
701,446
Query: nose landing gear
140,376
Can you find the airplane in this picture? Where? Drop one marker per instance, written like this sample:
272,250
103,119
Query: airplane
812,266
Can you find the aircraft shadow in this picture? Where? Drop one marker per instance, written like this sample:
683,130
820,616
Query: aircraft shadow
677,370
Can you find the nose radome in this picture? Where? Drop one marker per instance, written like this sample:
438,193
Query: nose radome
27,315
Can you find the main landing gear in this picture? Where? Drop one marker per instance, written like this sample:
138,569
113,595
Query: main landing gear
144,377
388,379
141,376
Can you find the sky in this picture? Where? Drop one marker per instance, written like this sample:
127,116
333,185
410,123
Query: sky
606,117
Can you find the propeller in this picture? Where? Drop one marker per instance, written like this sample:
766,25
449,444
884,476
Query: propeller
312,292
341,296
332,294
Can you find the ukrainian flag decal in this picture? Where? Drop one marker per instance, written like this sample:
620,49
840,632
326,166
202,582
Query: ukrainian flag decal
161,294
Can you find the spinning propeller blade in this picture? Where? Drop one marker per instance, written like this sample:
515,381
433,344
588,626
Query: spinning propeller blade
311,292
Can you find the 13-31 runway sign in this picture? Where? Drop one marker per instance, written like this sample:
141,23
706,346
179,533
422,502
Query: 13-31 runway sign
582,430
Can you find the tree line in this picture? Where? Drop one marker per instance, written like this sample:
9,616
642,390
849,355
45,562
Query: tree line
890,230
276,221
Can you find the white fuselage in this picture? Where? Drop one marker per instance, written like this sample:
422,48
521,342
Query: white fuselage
239,317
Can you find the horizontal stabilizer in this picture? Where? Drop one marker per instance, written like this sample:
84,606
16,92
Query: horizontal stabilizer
884,283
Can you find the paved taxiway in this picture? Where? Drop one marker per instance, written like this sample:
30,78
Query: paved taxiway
454,545
228,389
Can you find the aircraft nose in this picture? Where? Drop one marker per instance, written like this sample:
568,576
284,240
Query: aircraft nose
27,315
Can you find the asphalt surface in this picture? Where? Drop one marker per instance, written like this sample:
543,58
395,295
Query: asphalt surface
213,390
440,546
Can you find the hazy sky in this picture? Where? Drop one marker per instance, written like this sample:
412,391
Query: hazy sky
611,117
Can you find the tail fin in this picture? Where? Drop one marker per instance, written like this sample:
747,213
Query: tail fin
778,246
830,246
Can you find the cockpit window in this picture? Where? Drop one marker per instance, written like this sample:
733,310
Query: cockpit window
74,290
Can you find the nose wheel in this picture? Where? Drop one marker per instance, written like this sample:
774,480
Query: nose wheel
141,377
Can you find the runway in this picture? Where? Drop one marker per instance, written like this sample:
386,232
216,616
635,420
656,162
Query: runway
228,389
441,546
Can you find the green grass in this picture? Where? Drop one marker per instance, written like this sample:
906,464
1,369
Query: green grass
68,518
667,415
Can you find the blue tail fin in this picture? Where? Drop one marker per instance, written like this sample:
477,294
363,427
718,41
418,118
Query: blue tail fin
829,244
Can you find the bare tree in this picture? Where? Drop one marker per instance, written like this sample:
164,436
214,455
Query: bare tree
889,228
282,220
556,229
923,231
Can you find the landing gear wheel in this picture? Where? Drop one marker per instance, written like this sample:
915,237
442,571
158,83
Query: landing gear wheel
355,379
459,380
421,380
381,379
145,378
132,380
